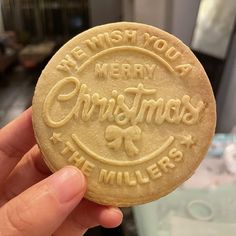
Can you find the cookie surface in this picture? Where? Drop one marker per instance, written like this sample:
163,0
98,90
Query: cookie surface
130,106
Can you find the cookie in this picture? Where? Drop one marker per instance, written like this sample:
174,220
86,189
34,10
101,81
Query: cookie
130,106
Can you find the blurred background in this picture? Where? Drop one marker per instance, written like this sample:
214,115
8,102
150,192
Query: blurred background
31,31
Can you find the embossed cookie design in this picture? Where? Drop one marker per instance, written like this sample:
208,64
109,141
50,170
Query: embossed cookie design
130,106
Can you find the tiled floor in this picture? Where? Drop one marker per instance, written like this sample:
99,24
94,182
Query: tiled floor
16,91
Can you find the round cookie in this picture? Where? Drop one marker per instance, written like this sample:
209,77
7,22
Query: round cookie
130,106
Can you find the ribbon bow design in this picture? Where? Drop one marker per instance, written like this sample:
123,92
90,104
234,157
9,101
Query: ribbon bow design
116,136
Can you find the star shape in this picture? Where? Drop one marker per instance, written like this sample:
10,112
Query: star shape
188,141
56,137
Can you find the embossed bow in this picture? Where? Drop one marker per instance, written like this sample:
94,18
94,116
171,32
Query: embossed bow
116,136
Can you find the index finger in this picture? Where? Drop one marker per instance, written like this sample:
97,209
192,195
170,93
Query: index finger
16,139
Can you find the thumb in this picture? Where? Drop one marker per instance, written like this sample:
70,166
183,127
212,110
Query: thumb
41,209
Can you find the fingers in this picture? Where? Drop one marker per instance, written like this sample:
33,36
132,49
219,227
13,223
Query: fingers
87,215
30,170
41,209
15,140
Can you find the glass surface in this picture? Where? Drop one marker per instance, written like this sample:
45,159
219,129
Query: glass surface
204,205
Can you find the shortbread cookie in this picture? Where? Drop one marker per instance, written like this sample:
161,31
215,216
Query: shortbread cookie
130,106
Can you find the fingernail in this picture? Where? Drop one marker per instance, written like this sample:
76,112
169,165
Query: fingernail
115,209
115,215
67,183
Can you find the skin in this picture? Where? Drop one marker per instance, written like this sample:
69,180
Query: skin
36,202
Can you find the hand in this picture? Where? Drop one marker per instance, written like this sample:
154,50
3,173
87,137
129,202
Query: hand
33,202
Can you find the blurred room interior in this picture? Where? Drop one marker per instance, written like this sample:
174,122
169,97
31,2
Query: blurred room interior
31,31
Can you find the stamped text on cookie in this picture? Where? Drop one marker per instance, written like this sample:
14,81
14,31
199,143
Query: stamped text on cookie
115,109
152,172
118,40
126,114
